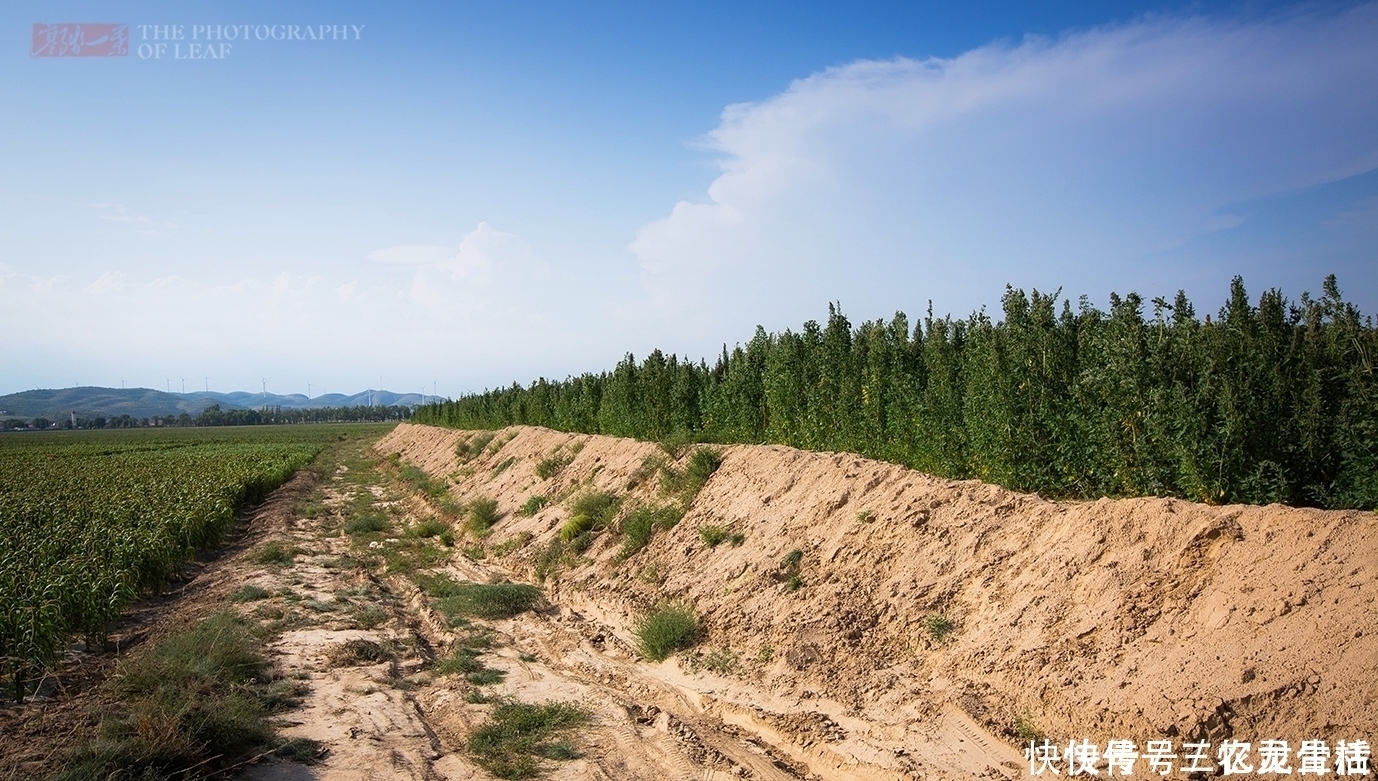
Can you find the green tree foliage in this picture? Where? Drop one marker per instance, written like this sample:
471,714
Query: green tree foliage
1269,402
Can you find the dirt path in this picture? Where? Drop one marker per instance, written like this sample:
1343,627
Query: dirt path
396,717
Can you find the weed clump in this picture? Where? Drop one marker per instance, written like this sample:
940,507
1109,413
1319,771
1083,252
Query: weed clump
641,524
548,467
666,629
519,736
532,505
713,535
199,699
274,553
483,513
432,527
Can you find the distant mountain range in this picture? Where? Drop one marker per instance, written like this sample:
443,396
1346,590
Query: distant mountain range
148,403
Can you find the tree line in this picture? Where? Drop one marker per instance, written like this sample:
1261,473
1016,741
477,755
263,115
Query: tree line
1269,402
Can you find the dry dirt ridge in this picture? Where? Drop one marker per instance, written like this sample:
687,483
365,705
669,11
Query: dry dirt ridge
1134,619
1137,619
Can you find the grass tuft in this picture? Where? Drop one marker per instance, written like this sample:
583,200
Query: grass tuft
274,554
483,513
532,505
939,626
250,593
668,628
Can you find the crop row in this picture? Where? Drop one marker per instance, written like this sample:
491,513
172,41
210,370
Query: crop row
88,525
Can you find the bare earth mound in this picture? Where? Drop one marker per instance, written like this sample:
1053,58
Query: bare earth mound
928,624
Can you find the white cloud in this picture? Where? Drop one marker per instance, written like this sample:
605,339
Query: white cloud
1071,161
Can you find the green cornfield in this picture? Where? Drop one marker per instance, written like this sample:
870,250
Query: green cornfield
90,521
1269,402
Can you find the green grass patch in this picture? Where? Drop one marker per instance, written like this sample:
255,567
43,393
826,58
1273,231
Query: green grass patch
366,523
504,465
432,527
668,628
533,505
575,526
640,526
520,736
490,600
197,701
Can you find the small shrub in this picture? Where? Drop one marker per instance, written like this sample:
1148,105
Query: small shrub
518,736
736,538
721,661
250,593
581,542
483,513
447,538
794,583
865,516
366,523
666,629
792,560
702,464
473,553
599,506
532,505
503,465
938,626
1025,728
640,526
550,559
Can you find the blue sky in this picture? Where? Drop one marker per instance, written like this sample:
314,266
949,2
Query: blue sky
473,194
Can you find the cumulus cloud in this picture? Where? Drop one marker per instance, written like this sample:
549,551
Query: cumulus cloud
1070,160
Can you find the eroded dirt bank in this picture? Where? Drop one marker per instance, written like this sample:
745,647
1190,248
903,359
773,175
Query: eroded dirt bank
1129,619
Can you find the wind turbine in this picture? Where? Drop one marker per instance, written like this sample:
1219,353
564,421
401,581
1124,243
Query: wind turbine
308,391
168,380
184,386
208,383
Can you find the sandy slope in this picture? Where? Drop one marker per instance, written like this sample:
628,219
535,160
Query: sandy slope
1129,619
